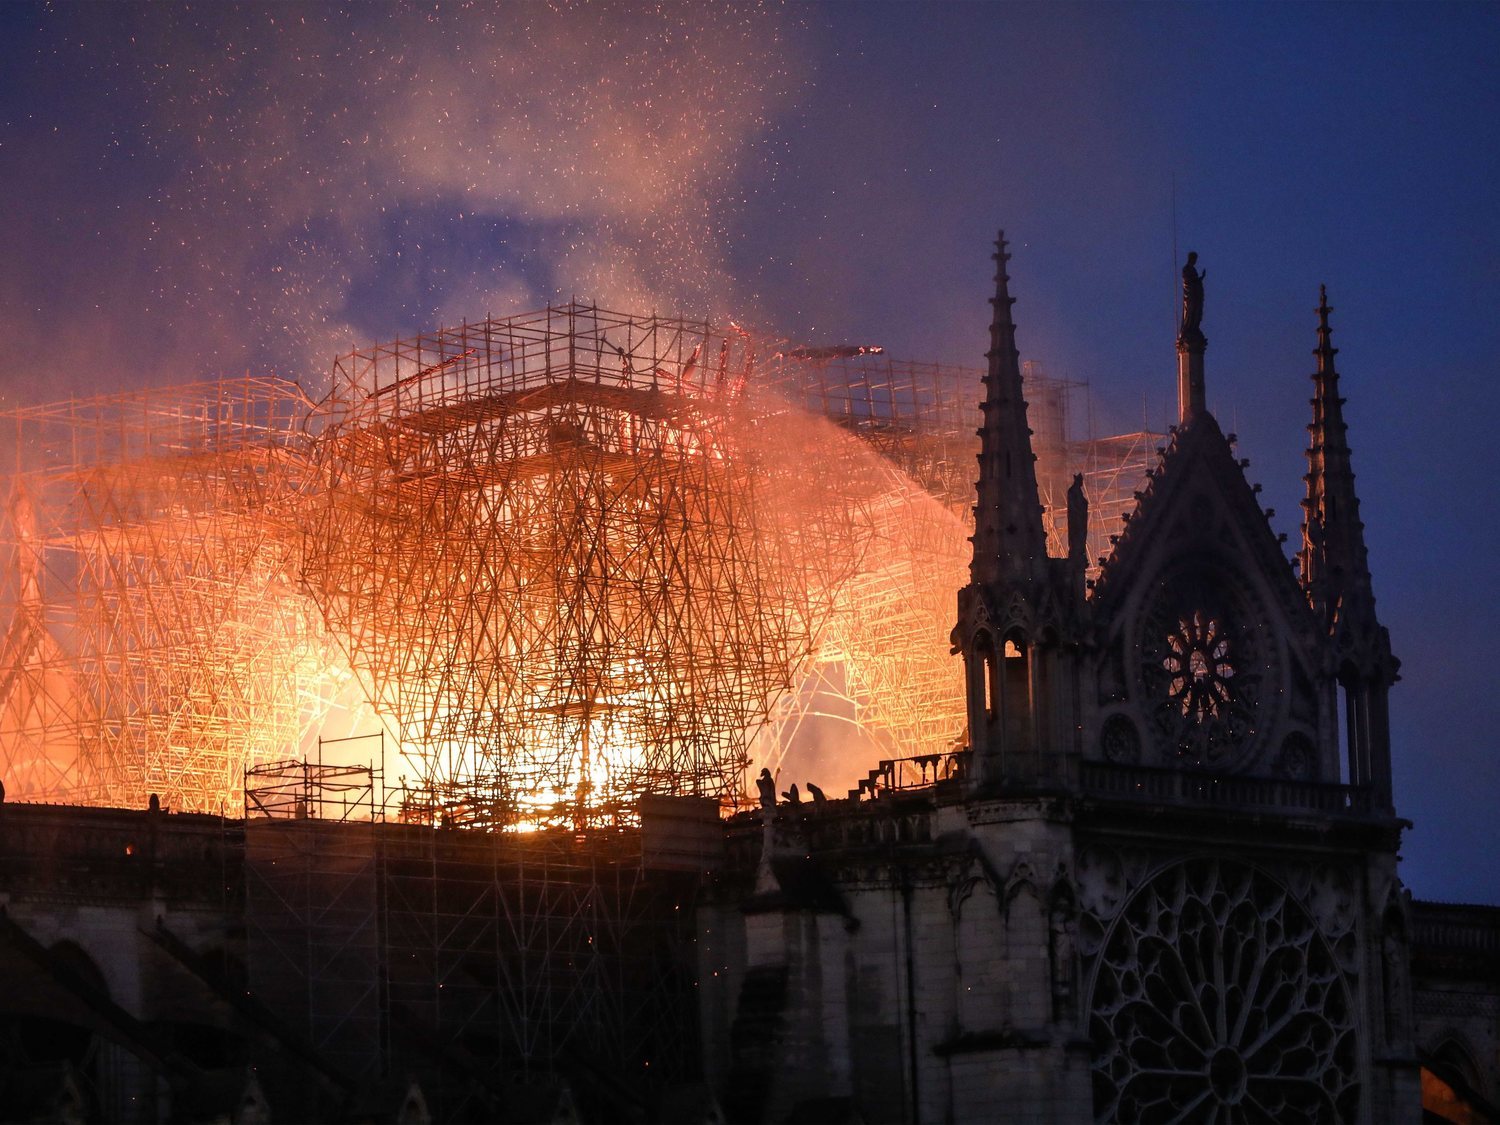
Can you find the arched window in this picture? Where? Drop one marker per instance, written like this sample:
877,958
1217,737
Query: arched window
979,930
1015,692
984,685
1450,1085
1353,767
1451,1057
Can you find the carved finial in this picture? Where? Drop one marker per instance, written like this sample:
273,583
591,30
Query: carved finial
1335,566
1325,351
1009,567
1008,536
1335,570
1002,299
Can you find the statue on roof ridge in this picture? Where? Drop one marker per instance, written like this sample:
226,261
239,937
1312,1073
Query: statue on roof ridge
1192,297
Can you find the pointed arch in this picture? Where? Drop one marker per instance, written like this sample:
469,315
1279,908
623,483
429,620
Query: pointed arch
1352,716
1015,688
1453,1087
974,874
1453,1057
1021,878
978,934
984,678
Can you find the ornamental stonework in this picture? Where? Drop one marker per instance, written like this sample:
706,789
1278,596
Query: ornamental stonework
1217,993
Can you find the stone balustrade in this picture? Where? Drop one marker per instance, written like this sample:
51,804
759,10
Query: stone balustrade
1185,787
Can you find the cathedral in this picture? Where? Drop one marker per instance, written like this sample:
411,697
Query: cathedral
1159,882
1156,879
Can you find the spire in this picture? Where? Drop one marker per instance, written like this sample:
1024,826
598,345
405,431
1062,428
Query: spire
1008,538
1335,564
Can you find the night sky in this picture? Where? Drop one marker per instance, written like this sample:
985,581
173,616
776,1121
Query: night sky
196,191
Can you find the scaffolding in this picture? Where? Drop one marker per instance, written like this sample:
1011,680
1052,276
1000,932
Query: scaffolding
570,558
312,926
922,419
880,674
523,955
156,640
919,417
477,962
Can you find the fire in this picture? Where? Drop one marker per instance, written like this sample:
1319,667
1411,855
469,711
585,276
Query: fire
558,561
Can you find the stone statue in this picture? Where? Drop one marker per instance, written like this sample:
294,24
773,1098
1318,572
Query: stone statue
767,786
1078,521
1192,298
765,875
1061,952
1396,962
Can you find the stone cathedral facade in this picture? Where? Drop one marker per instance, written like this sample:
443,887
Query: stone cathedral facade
1159,883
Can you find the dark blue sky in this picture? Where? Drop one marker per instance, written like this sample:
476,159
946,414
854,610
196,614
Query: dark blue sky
189,191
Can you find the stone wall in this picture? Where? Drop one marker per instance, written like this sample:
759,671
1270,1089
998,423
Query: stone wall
1456,1003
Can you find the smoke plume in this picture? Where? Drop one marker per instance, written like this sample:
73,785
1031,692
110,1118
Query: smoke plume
207,189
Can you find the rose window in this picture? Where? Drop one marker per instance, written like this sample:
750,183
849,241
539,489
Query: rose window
1216,999
1202,667
1197,662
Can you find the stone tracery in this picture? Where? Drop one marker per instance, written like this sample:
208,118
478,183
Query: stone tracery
1216,999
1198,662
1202,669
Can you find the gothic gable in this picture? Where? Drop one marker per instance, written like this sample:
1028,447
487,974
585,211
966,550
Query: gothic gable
1209,651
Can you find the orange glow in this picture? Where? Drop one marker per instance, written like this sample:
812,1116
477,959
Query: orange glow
561,559
157,641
